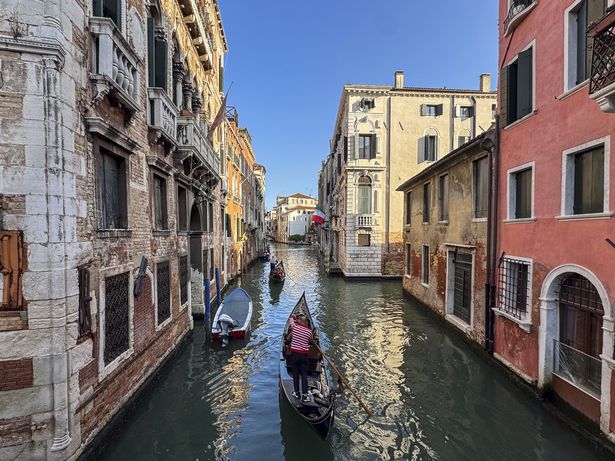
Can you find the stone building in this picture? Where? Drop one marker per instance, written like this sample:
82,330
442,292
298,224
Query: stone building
554,311
290,215
382,136
109,199
445,224
234,206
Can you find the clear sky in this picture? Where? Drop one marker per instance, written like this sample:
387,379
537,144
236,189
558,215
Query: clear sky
288,61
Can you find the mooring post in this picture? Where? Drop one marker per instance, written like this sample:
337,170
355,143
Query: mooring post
217,273
207,305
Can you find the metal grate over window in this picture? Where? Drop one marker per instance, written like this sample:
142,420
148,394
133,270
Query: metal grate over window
514,286
183,279
163,291
117,304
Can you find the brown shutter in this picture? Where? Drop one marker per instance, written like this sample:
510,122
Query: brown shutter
11,268
504,96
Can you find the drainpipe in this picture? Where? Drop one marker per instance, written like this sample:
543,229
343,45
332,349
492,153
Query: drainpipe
492,244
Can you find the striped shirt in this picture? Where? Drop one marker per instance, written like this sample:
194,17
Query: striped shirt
301,337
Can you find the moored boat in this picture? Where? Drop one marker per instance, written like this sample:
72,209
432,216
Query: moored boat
232,319
320,411
278,274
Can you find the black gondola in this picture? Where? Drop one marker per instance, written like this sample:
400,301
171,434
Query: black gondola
277,274
319,413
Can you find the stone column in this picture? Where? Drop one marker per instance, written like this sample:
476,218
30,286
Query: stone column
179,73
196,107
188,91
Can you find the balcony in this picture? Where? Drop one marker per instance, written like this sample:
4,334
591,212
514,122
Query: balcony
602,77
366,220
162,117
518,10
193,18
192,142
114,65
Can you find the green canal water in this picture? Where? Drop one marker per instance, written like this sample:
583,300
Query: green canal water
433,397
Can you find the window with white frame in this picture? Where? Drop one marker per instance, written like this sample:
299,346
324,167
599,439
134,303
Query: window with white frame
578,46
521,192
432,110
364,195
425,265
429,151
586,180
514,287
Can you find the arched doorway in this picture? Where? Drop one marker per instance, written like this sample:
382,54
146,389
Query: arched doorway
575,333
196,259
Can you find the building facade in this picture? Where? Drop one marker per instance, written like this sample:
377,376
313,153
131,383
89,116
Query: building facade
293,217
556,289
384,135
111,210
445,223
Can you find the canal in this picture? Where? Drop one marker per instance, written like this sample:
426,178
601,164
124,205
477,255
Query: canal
433,397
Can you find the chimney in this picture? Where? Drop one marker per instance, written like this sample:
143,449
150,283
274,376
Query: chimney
399,79
485,83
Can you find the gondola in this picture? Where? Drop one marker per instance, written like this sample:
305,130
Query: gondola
277,274
319,413
233,317
263,257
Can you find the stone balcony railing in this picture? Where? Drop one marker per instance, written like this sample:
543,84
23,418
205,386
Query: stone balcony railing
114,65
602,76
162,116
365,220
191,137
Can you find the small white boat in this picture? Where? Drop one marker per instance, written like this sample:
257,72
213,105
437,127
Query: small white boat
232,319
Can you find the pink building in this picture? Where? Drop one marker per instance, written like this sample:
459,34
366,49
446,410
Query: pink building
555,296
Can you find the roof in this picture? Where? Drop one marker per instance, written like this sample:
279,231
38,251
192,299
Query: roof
358,86
448,160
302,196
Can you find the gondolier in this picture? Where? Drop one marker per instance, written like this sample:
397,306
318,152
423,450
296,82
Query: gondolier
272,262
301,337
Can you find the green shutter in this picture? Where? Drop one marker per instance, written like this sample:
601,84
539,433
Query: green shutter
504,96
524,83
513,77
596,9
151,55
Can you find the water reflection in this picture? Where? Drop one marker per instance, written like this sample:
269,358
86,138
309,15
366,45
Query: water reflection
433,398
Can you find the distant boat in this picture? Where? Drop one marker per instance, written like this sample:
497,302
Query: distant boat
233,317
320,412
277,274
263,257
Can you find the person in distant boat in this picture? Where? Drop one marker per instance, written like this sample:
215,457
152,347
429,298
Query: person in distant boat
301,337
272,262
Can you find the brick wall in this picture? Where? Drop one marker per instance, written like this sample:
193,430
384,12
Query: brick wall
15,374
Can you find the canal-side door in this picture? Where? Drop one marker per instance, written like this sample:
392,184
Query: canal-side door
462,291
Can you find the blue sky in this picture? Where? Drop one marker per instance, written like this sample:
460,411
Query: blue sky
288,61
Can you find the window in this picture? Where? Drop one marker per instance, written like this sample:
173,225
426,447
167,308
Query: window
426,202
163,291
494,111
364,240
585,181
117,316
111,9
364,205
408,259
520,190
480,188
112,190
425,265
160,203
367,104
183,280
409,208
182,210
464,111
432,110
517,95
443,197
461,140
514,287
210,217
579,16
367,146
430,145
156,56
345,149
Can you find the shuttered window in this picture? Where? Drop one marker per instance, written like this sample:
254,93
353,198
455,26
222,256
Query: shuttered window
523,194
461,140
367,146
430,146
425,266
426,202
156,57
112,190
518,78
12,265
589,181
433,110
443,197
409,208
108,9
160,203
480,187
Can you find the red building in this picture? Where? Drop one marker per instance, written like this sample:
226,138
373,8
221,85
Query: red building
555,296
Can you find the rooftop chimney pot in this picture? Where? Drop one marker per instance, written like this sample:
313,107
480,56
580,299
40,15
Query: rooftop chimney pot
399,79
485,83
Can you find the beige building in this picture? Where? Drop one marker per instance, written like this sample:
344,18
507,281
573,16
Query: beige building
292,216
383,136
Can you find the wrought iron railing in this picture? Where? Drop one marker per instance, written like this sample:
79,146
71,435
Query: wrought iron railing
190,134
117,301
603,54
516,8
162,112
578,368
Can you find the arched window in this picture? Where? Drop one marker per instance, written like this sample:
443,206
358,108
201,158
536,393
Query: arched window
156,51
581,315
364,204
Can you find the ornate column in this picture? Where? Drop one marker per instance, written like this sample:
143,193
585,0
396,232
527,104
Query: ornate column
179,73
196,107
188,91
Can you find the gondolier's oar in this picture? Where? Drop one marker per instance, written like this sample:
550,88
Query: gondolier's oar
346,383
